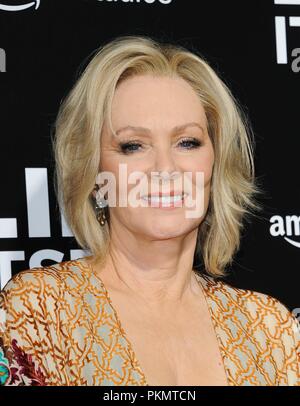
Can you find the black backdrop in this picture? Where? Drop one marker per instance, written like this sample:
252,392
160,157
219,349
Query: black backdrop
253,44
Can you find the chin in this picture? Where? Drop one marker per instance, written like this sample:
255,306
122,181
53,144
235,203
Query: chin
165,231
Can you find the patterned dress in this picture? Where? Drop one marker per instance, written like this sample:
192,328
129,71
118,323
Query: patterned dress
58,326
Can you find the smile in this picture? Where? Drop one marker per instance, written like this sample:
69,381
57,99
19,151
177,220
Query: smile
164,200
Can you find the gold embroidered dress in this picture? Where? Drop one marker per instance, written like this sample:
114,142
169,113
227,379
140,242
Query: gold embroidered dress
58,326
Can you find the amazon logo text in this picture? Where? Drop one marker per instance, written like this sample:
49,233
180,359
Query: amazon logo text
20,7
287,227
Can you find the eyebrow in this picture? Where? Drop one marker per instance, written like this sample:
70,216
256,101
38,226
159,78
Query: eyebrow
177,129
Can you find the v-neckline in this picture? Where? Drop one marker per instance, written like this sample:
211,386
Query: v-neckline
126,338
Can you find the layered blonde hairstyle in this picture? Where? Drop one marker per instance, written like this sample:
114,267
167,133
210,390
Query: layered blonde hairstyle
79,124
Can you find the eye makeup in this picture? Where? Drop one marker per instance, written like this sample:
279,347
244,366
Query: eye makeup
131,146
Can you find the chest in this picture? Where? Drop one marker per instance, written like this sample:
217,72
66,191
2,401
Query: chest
180,358
171,350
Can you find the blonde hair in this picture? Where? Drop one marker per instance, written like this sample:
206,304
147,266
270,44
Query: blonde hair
80,121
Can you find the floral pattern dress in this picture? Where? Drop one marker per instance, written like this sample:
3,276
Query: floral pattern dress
58,326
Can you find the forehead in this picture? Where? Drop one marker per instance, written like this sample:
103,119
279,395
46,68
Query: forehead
155,101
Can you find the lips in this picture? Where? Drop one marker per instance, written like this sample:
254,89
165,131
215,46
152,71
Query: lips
166,200
160,194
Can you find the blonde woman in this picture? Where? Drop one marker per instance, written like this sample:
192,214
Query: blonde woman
138,310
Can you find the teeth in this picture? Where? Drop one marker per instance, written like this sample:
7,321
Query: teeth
163,199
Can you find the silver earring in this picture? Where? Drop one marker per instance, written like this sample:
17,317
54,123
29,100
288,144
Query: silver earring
101,203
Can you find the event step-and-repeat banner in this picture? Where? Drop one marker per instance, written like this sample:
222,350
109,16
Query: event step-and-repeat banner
254,45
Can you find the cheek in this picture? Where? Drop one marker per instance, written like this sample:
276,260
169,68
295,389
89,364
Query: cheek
202,162
109,163
207,167
122,175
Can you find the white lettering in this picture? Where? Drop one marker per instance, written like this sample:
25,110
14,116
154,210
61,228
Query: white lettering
37,202
20,7
2,60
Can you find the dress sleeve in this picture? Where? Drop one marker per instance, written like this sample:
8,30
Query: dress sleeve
293,367
30,350
290,336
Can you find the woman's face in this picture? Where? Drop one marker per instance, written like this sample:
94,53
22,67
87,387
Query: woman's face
158,104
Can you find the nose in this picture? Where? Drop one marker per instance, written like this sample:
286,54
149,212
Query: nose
165,164
164,173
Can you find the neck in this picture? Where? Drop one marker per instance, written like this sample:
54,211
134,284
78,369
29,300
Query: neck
159,271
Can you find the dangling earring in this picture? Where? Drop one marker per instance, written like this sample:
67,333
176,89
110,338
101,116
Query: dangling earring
101,203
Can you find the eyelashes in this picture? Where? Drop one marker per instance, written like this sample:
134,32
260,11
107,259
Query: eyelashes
133,146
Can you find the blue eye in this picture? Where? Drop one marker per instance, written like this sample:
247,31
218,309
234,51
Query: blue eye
133,146
190,143
128,147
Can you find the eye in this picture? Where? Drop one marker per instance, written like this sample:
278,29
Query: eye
129,147
190,143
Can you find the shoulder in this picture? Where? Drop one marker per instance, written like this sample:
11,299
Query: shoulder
31,318
259,304
266,317
51,276
45,282
265,327
249,299
253,309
